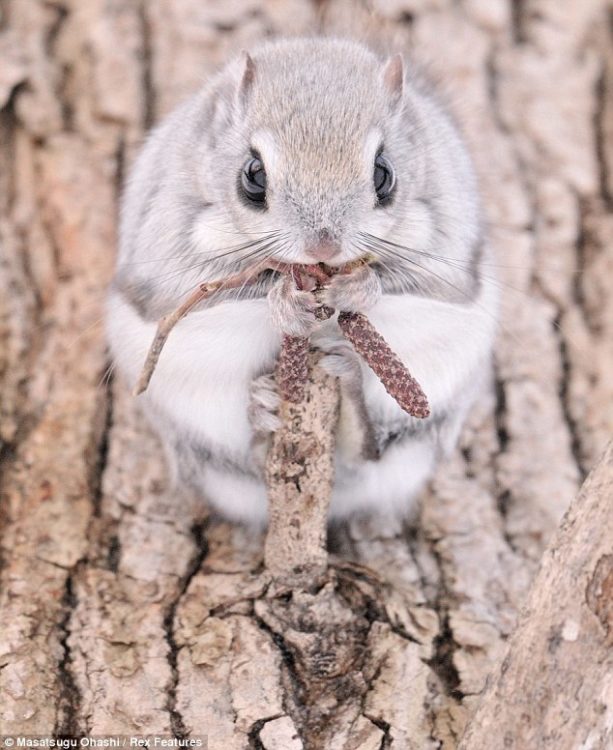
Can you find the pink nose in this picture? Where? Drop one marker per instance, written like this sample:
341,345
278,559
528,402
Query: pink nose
323,250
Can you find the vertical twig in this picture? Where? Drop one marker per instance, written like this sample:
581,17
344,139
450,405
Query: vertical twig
299,475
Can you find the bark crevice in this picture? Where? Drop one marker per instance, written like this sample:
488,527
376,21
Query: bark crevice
116,614
176,719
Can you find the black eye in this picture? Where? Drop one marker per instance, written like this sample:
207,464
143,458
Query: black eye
384,179
253,181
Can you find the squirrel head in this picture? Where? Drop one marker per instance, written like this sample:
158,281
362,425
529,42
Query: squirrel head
317,149
307,141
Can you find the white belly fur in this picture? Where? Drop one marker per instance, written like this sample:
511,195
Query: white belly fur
210,358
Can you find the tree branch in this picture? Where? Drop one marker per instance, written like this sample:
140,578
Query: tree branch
556,679
299,473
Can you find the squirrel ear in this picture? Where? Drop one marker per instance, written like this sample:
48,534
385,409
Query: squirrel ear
393,77
247,77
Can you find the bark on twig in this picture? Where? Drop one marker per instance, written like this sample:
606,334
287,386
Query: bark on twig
299,474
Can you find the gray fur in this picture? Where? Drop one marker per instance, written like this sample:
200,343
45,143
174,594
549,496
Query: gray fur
318,111
303,88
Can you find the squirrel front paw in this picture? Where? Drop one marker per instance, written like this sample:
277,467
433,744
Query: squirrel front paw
264,403
263,415
293,310
356,435
357,291
340,360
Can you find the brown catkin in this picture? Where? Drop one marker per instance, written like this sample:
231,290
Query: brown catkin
293,368
373,348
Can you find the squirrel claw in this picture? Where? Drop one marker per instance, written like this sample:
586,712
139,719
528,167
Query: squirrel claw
294,311
357,291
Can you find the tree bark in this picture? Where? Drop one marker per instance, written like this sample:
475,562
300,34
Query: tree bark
127,608
555,685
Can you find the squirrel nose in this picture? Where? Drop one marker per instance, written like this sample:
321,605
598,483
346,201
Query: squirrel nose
324,249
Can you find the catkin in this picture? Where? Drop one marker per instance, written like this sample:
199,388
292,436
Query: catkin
373,348
292,367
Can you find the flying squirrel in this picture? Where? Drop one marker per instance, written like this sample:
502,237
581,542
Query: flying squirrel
305,151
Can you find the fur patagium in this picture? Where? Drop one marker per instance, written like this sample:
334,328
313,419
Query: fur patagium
317,113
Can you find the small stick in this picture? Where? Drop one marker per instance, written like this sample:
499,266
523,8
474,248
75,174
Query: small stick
299,477
292,372
202,292
292,367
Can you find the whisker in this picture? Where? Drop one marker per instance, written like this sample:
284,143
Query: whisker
107,375
455,263
262,248
387,247
228,251
170,276
380,246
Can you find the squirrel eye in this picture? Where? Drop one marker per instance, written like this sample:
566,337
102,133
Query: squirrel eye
253,180
384,179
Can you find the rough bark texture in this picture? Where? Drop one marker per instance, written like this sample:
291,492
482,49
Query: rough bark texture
558,674
300,471
126,608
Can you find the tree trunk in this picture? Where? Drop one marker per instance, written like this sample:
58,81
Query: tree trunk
555,685
128,609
